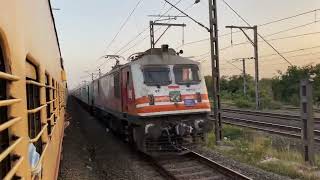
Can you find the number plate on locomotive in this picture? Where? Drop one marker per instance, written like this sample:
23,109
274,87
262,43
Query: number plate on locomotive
189,102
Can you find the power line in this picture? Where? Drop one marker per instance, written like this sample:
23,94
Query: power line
234,66
124,23
290,17
280,38
155,30
268,23
122,51
143,31
291,51
289,29
258,33
269,55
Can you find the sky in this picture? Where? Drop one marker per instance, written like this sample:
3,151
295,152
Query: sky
86,29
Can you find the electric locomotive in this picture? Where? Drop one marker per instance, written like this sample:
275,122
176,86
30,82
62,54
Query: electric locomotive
158,100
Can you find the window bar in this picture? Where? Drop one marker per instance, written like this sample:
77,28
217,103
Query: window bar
48,99
5,162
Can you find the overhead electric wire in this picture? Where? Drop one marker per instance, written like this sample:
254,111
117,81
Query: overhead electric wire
269,55
234,66
144,30
290,17
268,23
289,29
280,38
258,34
268,35
124,23
274,39
291,51
122,52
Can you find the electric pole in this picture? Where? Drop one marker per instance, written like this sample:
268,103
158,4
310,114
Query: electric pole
153,42
214,44
244,72
244,77
256,57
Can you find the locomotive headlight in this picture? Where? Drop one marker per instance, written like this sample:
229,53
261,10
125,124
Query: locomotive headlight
153,131
151,99
199,124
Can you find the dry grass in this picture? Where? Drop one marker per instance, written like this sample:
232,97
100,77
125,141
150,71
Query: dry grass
257,149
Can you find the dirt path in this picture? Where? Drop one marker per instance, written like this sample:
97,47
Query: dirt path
90,152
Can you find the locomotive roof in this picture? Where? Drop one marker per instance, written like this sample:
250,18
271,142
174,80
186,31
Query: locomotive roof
155,56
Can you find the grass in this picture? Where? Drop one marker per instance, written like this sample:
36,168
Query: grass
259,150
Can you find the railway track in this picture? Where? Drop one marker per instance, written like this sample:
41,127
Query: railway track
268,114
259,121
192,166
285,130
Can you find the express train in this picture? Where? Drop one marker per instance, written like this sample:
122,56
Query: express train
158,100
32,91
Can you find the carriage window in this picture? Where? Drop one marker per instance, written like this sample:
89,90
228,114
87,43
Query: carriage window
156,76
48,99
186,74
4,135
33,102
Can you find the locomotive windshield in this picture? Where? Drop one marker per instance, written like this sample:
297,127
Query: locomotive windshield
156,76
186,74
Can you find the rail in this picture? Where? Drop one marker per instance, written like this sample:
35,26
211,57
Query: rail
267,114
14,169
9,123
219,167
6,152
284,130
35,83
9,102
39,134
12,121
35,110
208,168
8,77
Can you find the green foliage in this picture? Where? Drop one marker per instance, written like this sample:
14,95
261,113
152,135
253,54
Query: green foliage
286,86
243,103
283,88
232,132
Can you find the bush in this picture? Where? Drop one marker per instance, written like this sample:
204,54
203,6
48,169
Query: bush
268,103
243,103
232,132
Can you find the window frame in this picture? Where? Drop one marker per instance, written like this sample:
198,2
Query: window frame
33,93
165,67
191,66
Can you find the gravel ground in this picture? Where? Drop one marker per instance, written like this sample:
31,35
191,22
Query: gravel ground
90,152
247,170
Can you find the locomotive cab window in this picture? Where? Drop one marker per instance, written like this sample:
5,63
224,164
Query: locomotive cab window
156,75
186,74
